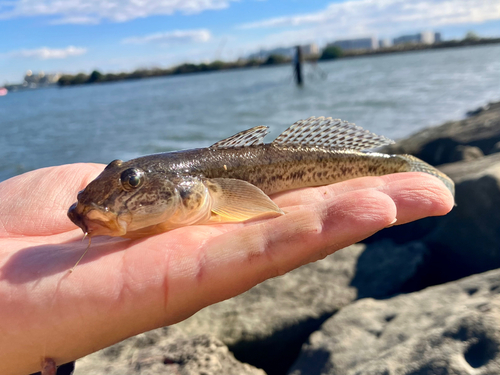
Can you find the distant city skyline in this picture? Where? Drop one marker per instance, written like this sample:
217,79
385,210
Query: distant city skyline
79,35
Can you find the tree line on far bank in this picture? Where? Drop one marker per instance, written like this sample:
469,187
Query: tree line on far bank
96,76
329,53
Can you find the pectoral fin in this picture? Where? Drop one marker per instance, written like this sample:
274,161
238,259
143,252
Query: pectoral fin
238,200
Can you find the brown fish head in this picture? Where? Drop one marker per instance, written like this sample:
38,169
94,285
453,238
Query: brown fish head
123,198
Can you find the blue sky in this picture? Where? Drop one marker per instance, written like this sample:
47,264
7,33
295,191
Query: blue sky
122,35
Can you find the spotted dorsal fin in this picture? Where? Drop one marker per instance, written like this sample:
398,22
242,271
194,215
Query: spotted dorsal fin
246,138
329,133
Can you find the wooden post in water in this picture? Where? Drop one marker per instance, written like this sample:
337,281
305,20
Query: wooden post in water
297,62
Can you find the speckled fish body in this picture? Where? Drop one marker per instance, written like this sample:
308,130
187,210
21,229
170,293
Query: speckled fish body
231,180
270,168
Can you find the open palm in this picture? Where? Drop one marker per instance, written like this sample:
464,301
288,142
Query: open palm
125,287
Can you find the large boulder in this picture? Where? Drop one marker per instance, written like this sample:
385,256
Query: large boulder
384,269
444,144
165,351
469,236
448,329
467,153
267,325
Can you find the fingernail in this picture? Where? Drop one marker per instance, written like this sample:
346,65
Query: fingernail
392,223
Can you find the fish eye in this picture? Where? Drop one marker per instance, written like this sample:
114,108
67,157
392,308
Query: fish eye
132,178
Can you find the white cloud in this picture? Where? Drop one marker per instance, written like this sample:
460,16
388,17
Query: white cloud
361,18
94,11
76,20
374,14
45,53
172,37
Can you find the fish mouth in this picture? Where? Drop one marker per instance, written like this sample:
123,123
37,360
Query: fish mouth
94,221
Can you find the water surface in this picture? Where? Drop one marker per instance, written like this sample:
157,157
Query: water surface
394,95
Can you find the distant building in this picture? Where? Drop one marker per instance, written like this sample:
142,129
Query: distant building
437,37
384,43
310,49
406,39
426,37
41,79
356,44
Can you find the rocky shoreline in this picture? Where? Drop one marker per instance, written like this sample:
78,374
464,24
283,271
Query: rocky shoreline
392,305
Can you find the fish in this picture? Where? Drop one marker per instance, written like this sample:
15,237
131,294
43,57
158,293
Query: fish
231,181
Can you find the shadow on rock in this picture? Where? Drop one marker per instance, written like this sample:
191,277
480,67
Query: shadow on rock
284,345
385,269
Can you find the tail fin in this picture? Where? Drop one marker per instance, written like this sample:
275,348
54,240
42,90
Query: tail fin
417,165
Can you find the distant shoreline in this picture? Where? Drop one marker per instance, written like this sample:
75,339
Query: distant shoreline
273,60
422,47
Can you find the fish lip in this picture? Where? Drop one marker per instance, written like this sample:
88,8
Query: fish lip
95,221
76,216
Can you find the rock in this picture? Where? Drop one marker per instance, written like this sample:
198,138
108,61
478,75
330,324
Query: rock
267,325
437,145
496,148
385,268
469,236
471,169
447,329
466,153
165,351
477,111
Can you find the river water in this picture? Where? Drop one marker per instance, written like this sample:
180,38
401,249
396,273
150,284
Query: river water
393,95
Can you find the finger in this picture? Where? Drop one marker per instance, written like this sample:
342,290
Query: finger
419,196
35,203
396,183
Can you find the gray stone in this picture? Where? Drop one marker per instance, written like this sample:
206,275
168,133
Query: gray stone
469,236
496,148
477,111
448,329
165,351
267,325
466,153
437,145
385,268
470,169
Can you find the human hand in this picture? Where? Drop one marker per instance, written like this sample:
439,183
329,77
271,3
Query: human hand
125,287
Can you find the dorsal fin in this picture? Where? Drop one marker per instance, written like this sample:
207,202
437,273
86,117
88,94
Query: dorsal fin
330,133
250,137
